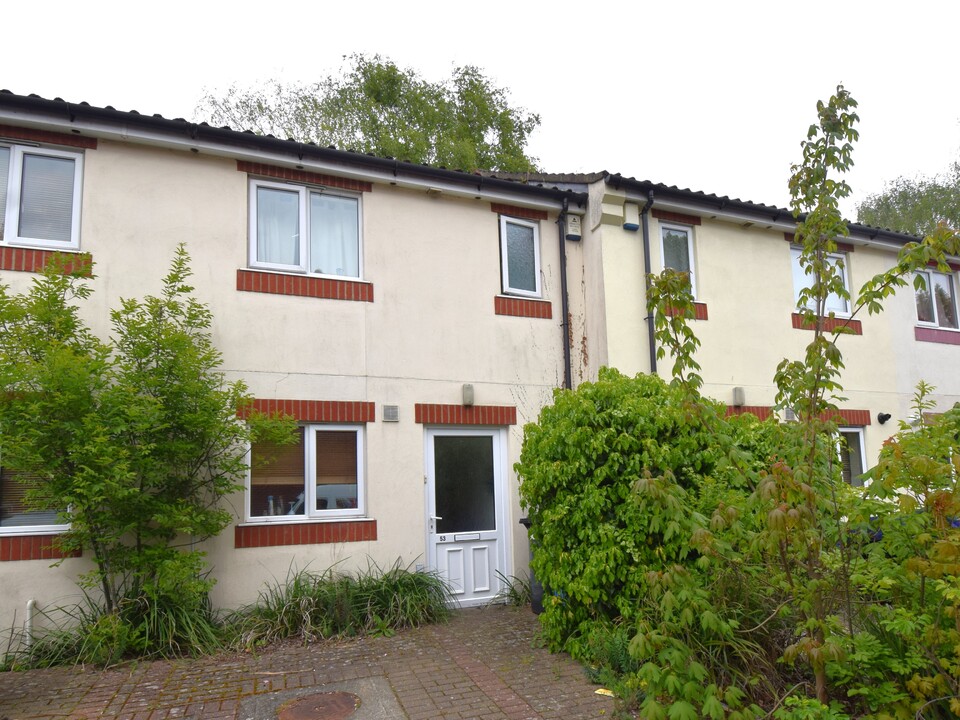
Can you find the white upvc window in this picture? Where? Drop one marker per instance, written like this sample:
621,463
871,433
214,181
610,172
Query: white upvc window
319,476
676,249
851,450
801,281
313,230
16,516
520,256
937,299
40,197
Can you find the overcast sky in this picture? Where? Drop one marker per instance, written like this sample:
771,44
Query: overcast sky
713,96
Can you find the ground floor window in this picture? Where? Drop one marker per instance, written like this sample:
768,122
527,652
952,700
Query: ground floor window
319,476
852,455
15,514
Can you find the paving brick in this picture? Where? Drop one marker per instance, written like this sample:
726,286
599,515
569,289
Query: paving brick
482,665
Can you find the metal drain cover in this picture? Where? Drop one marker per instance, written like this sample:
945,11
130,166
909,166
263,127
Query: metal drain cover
320,706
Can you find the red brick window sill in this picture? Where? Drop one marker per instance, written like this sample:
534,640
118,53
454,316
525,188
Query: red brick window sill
522,307
34,260
699,311
31,547
303,286
936,335
829,324
304,533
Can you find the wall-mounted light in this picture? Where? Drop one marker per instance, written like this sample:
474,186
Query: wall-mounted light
883,417
468,395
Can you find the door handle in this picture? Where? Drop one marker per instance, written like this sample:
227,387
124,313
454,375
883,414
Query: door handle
436,517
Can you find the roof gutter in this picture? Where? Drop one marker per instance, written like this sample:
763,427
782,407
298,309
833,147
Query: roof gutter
693,201
155,130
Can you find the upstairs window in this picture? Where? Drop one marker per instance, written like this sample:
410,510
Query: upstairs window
319,476
520,256
936,299
40,197
304,230
676,248
801,281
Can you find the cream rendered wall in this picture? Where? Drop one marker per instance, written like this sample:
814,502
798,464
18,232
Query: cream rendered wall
744,276
434,263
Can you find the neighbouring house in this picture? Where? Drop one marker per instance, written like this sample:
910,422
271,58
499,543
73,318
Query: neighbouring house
746,279
409,317
413,319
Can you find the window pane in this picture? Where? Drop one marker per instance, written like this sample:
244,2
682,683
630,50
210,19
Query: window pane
676,250
521,258
465,488
276,479
336,462
801,281
946,302
334,235
14,510
851,457
4,175
925,300
278,226
46,197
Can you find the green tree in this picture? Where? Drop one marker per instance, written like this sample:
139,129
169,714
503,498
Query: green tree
135,441
465,122
915,205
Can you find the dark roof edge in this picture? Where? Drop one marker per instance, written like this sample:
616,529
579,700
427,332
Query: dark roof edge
768,213
202,132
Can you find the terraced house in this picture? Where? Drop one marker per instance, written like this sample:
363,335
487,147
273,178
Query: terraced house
409,317
413,319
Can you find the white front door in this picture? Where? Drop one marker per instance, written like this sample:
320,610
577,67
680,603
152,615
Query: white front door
466,543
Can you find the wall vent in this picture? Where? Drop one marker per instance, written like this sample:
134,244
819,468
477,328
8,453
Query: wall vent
391,413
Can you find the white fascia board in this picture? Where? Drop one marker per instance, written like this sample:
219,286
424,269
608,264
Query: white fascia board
140,136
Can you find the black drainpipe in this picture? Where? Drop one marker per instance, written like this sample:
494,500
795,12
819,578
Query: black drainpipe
564,302
644,214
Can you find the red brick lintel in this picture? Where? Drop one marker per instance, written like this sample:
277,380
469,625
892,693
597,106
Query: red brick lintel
433,414
46,136
670,216
303,176
843,417
325,411
518,212
842,247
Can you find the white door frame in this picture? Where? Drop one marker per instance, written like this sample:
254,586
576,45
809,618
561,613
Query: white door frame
501,505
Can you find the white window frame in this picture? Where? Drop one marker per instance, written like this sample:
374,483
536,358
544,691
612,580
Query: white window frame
847,431
310,488
504,264
929,273
688,229
303,193
841,258
12,216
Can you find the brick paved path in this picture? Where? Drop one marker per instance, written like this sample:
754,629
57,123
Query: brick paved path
483,665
